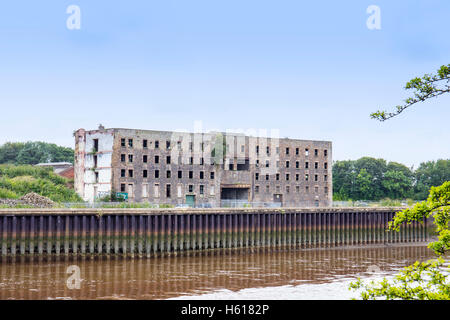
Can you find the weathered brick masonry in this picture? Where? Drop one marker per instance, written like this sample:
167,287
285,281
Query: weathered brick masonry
164,167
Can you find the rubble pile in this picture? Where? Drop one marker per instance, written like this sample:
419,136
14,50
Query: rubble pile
31,199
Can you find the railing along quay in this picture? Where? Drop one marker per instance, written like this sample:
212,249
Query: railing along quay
149,232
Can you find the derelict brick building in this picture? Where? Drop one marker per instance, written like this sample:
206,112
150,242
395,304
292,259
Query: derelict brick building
164,167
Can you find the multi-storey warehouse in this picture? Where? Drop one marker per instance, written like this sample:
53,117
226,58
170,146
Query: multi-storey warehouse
164,167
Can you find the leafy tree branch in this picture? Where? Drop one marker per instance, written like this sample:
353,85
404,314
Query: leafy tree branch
427,87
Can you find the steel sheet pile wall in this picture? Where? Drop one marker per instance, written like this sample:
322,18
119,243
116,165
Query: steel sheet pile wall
152,232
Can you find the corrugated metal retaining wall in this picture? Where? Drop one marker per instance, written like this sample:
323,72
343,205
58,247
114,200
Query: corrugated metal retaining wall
148,232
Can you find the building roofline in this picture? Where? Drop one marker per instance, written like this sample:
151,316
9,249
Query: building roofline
210,132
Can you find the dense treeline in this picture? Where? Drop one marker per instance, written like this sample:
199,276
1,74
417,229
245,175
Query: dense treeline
16,181
374,179
34,153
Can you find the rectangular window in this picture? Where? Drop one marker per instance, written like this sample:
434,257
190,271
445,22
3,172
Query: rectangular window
202,174
202,161
130,173
267,163
316,165
297,177
130,143
191,188
316,189
156,174
122,173
257,149
156,144
145,143
267,150
307,189
297,189
242,148
122,158
257,163
297,164
191,146
122,142
316,152
287,150
325,165
306,177
297,151
180,174
316,177
287,176
191,174
168,191
277,176
191,160
144,158
168,174
325,152
179,191
306,152
202,189
156,190
96,145
256,176
156,159
325,190
211,175
288,189
267,177
168,159
122,187
277,188
287,164
256,189
145,174
325,178
306,165
130,158
211,190
144,191
167,145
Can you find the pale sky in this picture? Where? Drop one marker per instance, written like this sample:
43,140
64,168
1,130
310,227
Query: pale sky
311,69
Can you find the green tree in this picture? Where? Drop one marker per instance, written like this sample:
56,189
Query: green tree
430,174
424,88
423,280
34,153
397,185
426,280
9,152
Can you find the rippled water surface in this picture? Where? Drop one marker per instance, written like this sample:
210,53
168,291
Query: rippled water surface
263,274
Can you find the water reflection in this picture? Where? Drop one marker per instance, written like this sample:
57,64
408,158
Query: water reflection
196,274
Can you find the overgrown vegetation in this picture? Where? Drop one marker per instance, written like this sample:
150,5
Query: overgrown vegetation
428,280
376,179
16,181
34,152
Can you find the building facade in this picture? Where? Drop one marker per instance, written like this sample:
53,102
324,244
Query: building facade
216,169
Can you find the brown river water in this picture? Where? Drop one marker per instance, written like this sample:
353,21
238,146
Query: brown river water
261,274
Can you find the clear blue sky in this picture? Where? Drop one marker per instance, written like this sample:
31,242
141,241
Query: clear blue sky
311,69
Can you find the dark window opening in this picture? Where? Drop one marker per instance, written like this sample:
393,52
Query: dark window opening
130,173
144,143
156,173
145,174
